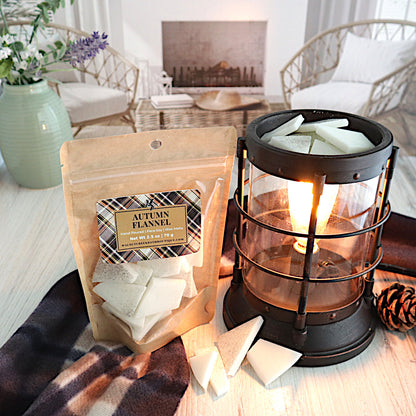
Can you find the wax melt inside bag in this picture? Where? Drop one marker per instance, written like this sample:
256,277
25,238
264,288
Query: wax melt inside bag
146,215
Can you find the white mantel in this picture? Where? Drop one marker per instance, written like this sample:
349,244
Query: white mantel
142,28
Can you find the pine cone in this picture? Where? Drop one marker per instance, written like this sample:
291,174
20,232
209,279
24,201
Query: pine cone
396,306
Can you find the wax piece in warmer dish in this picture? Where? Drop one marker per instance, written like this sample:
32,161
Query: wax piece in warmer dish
348,141
270,360
330,122
300,144
289,127
129,320
123,296
202,366
322,148
162,294
234,344
138,332
219,380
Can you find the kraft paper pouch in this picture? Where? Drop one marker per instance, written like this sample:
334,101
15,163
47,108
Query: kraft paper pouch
146,215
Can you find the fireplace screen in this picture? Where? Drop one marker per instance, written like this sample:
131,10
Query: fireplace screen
214,54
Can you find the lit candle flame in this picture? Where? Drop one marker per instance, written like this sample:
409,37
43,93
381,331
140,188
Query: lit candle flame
300,207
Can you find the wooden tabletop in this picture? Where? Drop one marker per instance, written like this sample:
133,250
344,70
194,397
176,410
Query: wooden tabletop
36,252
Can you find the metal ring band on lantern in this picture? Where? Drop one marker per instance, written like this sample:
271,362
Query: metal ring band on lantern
269,227
367,269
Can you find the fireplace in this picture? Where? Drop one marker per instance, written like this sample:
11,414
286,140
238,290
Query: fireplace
215,54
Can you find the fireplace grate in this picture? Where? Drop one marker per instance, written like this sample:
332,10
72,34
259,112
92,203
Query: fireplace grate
219,75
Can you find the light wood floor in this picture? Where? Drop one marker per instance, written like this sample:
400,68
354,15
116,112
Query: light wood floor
403,127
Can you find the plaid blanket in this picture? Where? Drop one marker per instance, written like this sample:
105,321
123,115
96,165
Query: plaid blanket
52,366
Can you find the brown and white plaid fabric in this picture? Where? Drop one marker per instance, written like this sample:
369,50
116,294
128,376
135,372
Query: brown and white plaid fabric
107,228
52,366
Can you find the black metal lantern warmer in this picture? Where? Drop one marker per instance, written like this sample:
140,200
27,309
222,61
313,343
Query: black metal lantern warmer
308,239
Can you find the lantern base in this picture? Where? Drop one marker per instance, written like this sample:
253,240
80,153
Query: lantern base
329,338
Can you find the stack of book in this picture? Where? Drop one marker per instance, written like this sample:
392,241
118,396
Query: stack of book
172,101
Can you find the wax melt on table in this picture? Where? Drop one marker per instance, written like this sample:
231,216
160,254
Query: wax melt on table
234,344
270,360
202,365
219,380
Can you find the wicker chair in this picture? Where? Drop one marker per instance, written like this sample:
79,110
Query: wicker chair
104,88
316,62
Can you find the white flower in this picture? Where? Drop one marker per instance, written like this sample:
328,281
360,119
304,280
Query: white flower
5,52
7,39
25,54
32,49
20,65
30,52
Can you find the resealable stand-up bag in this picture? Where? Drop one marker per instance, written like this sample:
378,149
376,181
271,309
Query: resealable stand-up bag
146,215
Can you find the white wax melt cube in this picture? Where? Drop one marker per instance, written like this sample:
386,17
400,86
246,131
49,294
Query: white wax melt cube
162,294
187,274
300,144
123,272
234,344
202,365
164,267
219,380
123,296
112,272
270,360
129,320
142,273
331,122
289,127
138,332
348,141
322,148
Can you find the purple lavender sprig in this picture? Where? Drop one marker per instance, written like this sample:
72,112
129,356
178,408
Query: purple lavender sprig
85,48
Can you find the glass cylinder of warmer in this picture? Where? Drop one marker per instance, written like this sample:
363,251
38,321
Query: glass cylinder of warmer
286,205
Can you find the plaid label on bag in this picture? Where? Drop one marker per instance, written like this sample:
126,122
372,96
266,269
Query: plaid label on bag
149,226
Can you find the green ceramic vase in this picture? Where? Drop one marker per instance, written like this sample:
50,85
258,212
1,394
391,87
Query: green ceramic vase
33,126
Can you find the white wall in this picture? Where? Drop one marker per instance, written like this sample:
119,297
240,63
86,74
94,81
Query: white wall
286,19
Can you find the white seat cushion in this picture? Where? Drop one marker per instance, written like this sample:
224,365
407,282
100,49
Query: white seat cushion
88,102
349,97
